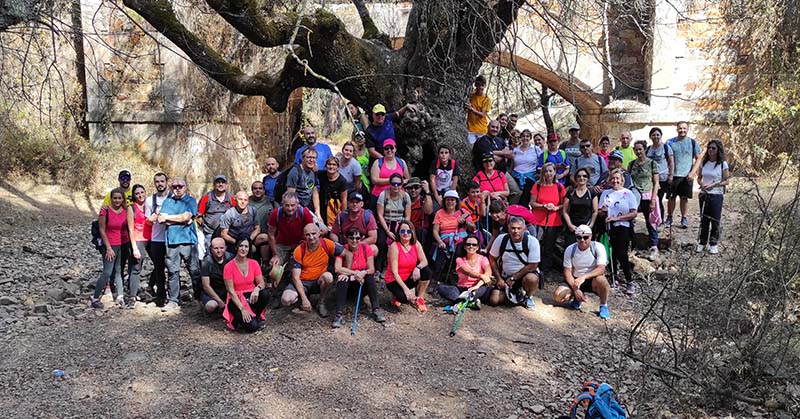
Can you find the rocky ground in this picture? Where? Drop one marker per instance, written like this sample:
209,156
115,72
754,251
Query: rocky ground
503,363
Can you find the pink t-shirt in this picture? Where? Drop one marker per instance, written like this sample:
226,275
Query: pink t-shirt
464,280
116,226
406,262
360,256
386,172
496,182
241,285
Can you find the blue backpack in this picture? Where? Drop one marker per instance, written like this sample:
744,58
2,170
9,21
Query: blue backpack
598,401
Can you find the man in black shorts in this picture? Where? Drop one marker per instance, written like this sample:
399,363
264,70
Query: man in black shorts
584,271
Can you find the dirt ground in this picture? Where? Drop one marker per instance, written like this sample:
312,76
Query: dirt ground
503,363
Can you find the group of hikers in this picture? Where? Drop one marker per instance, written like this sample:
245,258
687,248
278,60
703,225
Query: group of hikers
357,221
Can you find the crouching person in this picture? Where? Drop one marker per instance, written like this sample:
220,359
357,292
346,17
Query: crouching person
213,296
474,275
514,257
354,268
310,271
584,271
247,293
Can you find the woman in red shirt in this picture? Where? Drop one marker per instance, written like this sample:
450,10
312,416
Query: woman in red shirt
113,223
547,200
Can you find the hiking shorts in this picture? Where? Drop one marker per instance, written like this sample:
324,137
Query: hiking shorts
681,187
585,287
310,287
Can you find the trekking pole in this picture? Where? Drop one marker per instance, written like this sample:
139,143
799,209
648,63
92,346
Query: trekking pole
461,314
355,315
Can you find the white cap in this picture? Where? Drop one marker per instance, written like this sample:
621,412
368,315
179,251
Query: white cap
582,230
451,194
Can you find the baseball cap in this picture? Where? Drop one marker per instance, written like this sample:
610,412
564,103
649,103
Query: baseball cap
552,136
575,127
583,230
378,109
220,176
389,141
124,174
353,195
616,154
487,157
414,181
451,194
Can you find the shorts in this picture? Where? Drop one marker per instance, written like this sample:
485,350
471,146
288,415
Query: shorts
205,298
310,287
681,187
585,287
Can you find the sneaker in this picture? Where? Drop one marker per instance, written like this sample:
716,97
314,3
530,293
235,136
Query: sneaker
575,304
699,248
713,249
668,223
475,304
530,304
120,301
631,288
171,307
338,321
323,311
684,223
421,305
653,254
379,316
604,313
395,302
95,303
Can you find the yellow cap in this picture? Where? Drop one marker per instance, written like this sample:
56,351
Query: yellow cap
378,109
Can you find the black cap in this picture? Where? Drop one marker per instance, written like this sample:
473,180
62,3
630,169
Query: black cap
124,174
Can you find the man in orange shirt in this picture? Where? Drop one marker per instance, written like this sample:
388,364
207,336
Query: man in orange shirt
310,270
478,111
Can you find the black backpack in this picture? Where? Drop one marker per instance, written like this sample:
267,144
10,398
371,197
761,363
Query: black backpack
280,183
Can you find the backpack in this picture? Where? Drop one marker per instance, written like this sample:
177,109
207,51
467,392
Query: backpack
504,244
97,239
280,183
560,151
598,401
366,213
452,164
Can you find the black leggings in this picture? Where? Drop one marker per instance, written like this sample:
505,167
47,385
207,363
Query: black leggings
548,245
451,292
620,238
258,308
342,287
396,290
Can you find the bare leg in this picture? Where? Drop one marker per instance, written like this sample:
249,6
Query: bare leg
684,206
563,294
601,287
530,283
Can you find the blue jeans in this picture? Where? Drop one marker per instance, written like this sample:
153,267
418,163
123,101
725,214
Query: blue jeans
187,252
644,208
109,267
710,216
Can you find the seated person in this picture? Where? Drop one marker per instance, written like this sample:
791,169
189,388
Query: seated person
356,216
514,257
584,271
474,275
354,267
408,273
213,294
247,293
310,271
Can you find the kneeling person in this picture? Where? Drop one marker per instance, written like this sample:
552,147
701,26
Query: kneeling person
213,293
356,266
247,293
584,271
310,270
515,257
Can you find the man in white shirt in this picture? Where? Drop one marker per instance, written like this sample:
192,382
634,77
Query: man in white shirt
584,271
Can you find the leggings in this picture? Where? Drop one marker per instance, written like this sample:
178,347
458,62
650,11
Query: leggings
451,292
548,245
258,308
136,269
110,267
342,287
620,237
711,205
397,290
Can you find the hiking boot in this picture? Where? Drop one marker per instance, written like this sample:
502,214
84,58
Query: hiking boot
171,307
604,313
338,321
713,249
575,304
475,304
684,223
529,303
632,288
699,248
323,311
379,316
95,303
668,223
421,305
653,254
120,301
395,302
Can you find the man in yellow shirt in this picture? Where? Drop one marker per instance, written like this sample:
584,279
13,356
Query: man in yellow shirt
125,184
478,111
626,148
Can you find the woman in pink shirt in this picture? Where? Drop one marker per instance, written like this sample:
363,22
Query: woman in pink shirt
383,168
113,222
247,293
450,226
408,274
494,184
474,275
140,230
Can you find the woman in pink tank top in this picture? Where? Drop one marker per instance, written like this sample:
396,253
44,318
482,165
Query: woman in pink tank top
139,230
113,223
383,168
408,273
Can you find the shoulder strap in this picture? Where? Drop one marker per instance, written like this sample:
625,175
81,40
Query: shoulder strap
401,163
367,214
563,155
591,248
380,162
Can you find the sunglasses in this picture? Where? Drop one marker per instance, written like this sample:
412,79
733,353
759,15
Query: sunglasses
354,236
413,187
583,237
581,177
396,183
404,231
388,147
125,178
586,146
178,186
470,244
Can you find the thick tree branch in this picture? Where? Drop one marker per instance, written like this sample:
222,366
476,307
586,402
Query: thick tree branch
370,30
245,16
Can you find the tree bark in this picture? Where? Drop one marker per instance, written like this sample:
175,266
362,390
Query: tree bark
544,100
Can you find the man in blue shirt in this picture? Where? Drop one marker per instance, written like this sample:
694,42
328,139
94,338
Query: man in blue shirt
553,154
323,151
381,127
686,155
177,213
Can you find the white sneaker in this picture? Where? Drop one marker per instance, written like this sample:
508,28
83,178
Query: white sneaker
714,249
653,254
699,248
